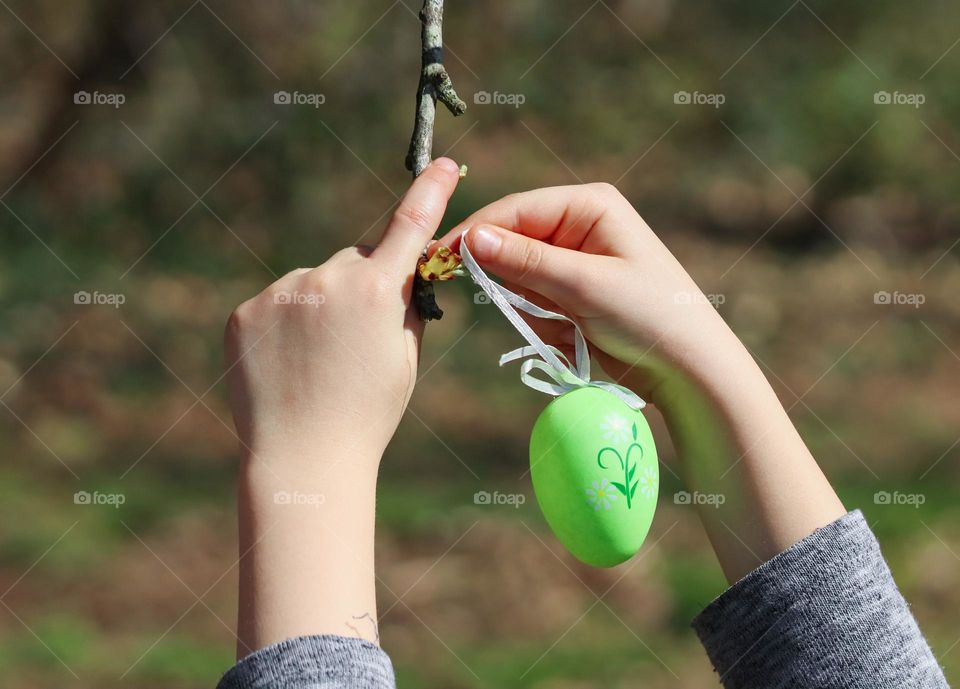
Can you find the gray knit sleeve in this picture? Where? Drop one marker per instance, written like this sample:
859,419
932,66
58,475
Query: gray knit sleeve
313,662
824,613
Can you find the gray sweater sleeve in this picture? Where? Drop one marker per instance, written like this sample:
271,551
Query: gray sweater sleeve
313,662
824,613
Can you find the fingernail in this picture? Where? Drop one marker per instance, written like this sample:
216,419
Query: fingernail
484,242
447,164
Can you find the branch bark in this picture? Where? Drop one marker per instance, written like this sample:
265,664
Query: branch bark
435,84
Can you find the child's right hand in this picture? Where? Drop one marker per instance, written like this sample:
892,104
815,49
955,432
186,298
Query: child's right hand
585,251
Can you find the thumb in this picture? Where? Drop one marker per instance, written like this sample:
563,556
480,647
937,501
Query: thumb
558,274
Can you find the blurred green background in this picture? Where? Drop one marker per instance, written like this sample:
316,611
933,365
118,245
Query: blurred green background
794,202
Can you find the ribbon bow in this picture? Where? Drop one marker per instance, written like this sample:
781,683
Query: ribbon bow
552,362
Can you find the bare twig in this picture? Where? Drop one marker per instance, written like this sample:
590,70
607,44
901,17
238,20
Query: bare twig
434,85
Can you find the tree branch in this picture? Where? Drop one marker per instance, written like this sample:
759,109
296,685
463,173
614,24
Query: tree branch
435,84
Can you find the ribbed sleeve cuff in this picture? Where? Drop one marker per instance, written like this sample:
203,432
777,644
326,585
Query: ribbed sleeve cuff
313,662
823,613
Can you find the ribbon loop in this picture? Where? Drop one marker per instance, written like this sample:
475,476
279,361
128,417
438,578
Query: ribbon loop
552,362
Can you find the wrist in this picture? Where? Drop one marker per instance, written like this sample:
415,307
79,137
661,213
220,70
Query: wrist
267,471
316,486
309,460
735,442
712,366
307,550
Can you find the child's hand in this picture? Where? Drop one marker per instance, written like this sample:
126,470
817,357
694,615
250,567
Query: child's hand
585,250
321,366
323,361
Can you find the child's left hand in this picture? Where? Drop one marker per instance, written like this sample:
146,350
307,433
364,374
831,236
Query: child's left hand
323,362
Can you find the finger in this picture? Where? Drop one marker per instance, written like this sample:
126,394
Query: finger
563,216
558,274
418,216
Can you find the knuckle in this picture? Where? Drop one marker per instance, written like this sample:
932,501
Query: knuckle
270,292
605,190
364,295
530,258
317,280
434,175
237,321
416,214
382,290
337,257
378,284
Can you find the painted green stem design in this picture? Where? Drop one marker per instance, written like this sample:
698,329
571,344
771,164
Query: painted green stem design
627,489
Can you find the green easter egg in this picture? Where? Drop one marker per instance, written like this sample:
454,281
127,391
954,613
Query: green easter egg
595,474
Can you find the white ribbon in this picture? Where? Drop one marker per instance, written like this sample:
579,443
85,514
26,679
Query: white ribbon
552,362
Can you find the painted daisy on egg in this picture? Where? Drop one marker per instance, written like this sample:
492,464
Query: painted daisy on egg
601,495
616,429
648,483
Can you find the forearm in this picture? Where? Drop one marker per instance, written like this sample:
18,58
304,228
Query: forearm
738,446
317,386
306,545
